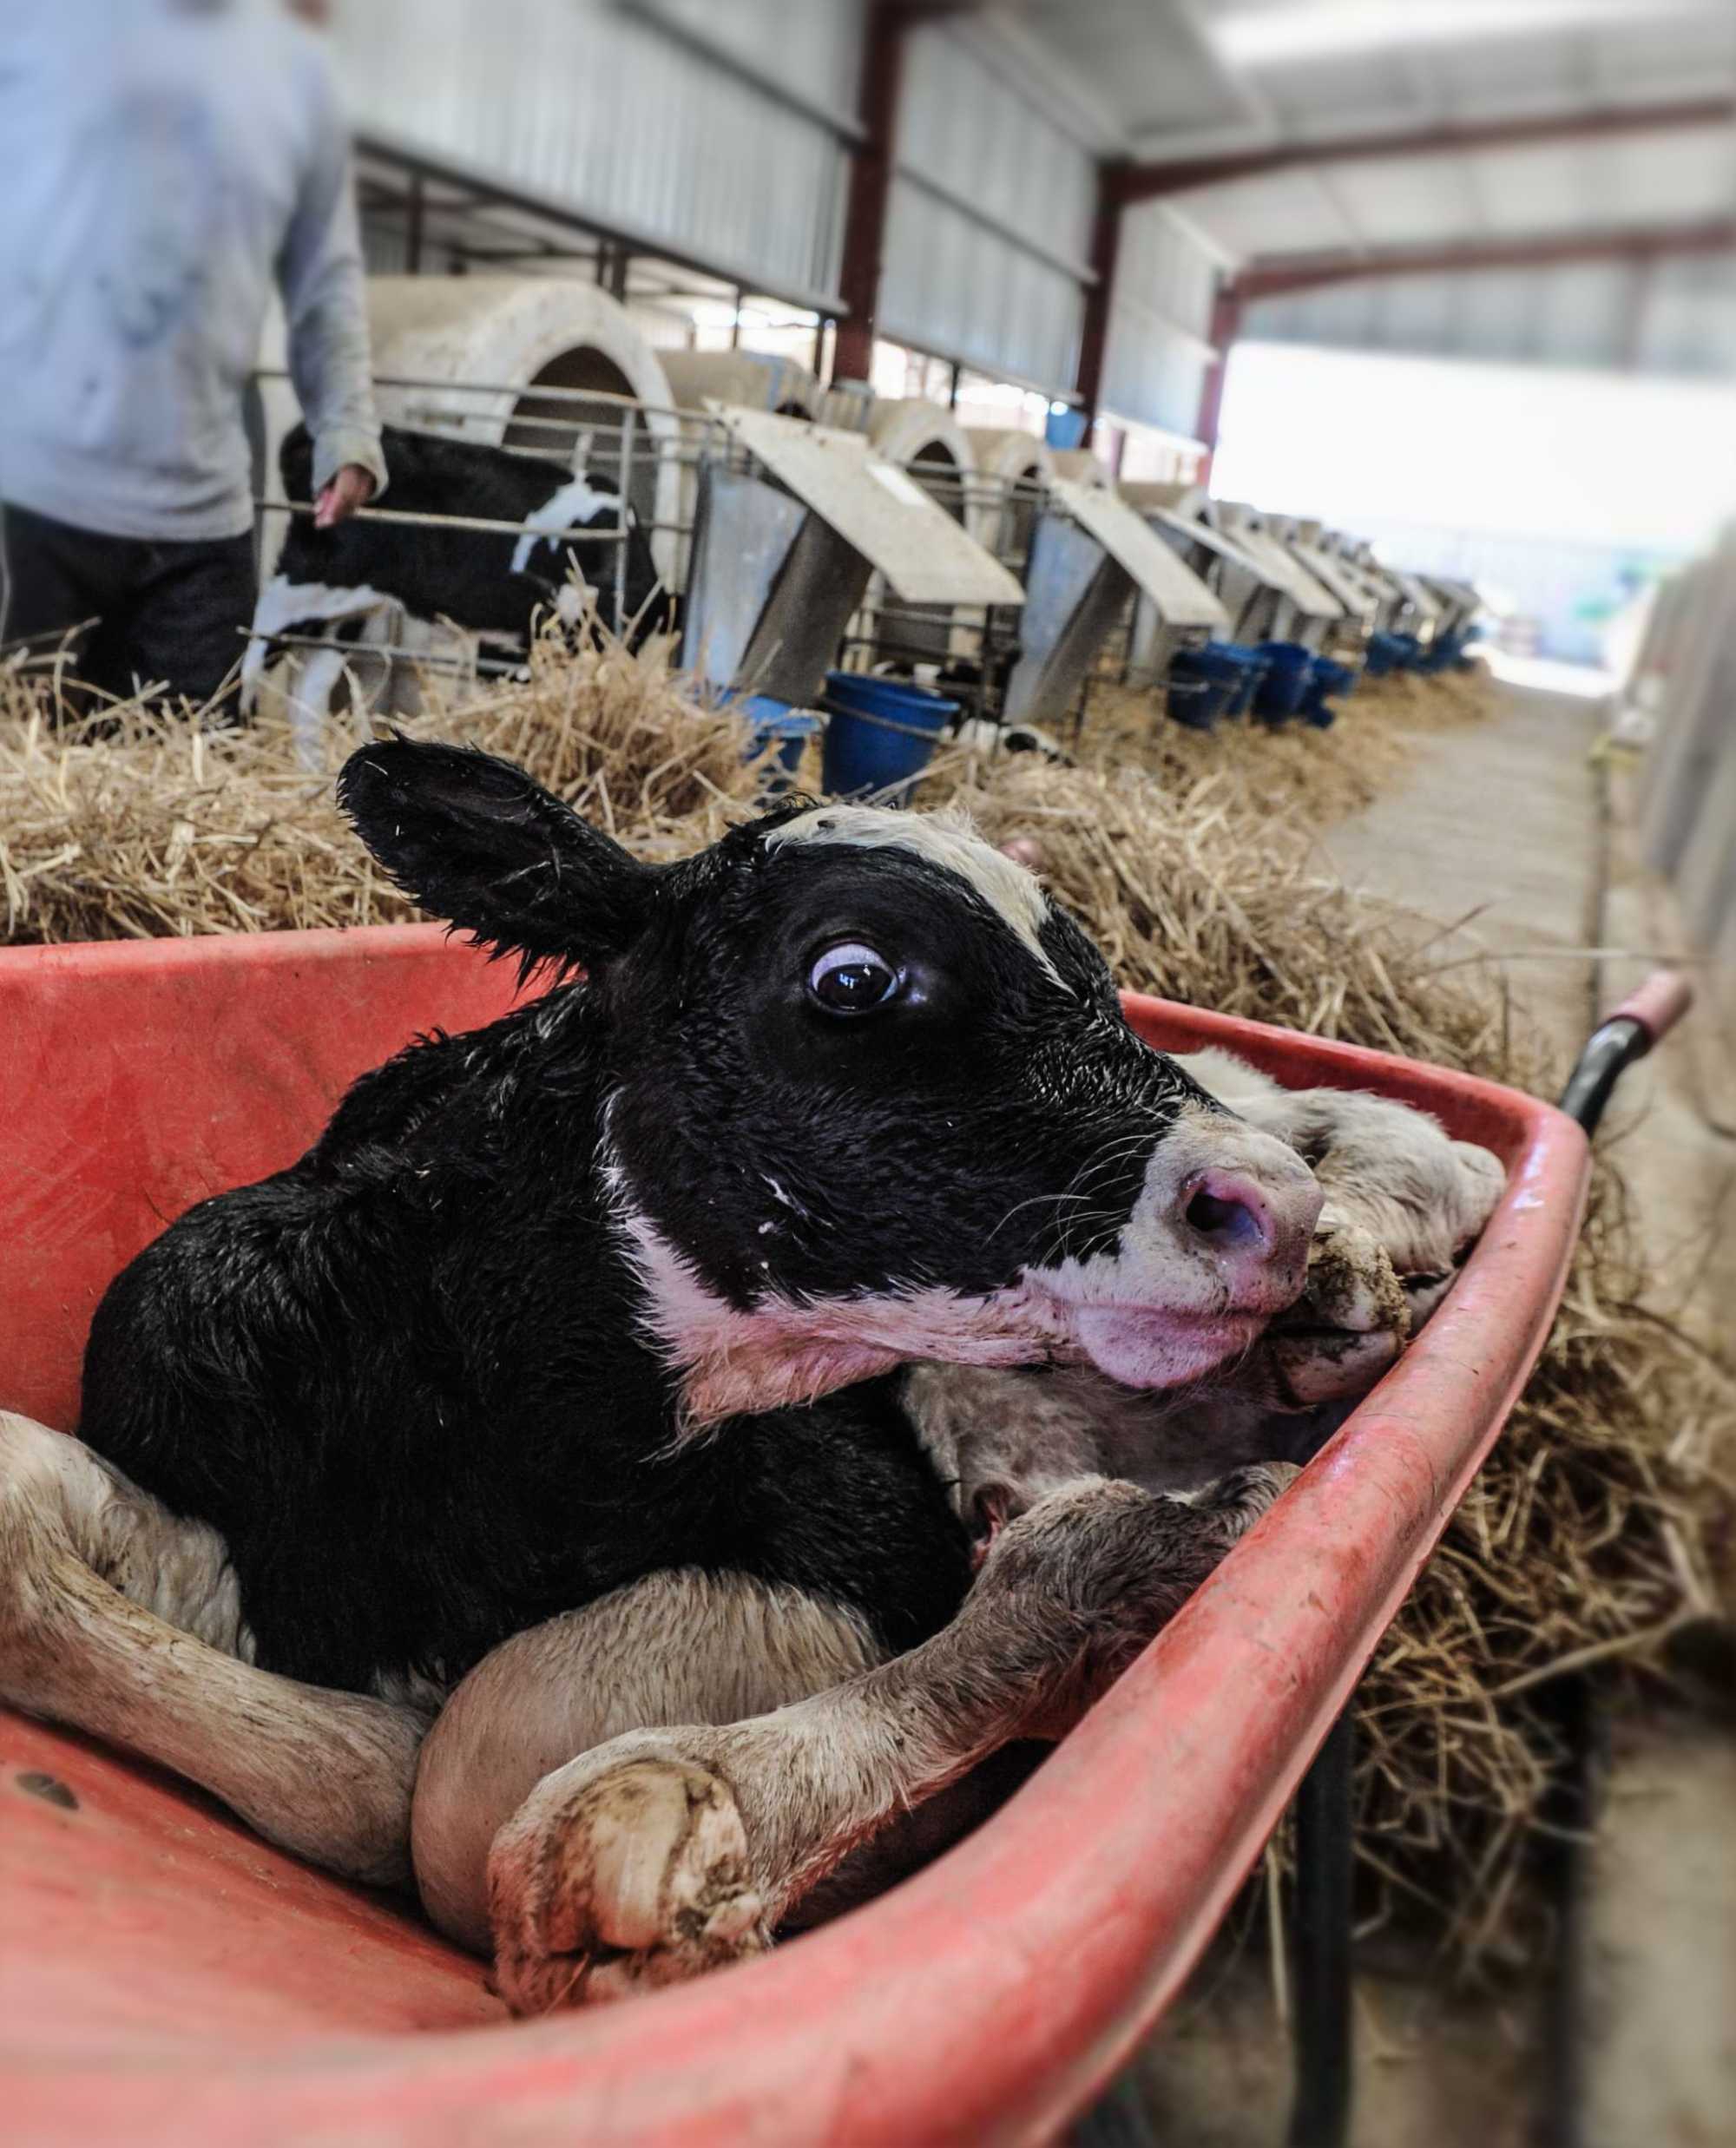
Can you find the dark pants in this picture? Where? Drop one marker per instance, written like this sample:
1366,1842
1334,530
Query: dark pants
138,612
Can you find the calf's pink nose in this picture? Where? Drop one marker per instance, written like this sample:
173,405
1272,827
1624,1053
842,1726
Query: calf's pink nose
1258,1229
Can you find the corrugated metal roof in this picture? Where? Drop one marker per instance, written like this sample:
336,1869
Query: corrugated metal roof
1676,317
1185,79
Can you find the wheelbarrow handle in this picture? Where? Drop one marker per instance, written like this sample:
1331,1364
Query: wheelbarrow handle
1657,1005
1627,1034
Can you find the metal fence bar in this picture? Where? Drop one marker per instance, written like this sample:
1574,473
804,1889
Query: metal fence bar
623,487
519,390
496,667
421,519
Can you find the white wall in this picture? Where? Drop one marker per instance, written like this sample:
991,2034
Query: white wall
1554,489
1524,450
1159,346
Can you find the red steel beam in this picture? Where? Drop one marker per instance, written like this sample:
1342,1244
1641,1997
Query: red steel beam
870,188
1105,246
1226,321
1156,177
1277,276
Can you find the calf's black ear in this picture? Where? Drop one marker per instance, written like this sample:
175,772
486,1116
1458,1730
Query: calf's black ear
472,838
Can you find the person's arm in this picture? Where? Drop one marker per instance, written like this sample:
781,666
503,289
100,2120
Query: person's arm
323,287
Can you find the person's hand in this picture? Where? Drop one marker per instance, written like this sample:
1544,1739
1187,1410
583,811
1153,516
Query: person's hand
351,487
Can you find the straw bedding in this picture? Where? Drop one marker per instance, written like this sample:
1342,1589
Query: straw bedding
1316,776
138,826
1593,1532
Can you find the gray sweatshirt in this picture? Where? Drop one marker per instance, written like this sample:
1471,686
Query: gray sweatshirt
163,162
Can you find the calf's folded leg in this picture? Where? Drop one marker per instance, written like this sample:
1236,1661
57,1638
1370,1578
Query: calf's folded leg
666,1852
679,1647
122,1620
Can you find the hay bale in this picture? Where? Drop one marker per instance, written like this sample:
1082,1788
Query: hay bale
1591,1533
136,825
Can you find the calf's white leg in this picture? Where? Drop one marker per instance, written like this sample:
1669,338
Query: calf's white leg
667,1852
681,1647
118,1618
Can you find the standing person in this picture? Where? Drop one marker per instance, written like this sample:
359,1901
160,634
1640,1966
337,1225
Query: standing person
168,162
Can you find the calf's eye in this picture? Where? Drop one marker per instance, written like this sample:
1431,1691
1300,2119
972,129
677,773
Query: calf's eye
853,979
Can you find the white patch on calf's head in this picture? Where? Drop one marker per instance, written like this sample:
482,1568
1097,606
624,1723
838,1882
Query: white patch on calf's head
947,839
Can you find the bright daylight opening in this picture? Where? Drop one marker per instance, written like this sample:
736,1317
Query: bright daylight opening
1562,494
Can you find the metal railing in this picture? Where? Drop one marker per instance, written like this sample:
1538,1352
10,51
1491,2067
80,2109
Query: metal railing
650,453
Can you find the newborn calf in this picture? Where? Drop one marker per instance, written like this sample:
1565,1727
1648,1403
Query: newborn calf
732,1778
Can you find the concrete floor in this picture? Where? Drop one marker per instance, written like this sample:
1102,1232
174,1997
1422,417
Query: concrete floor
1508,820
1497,825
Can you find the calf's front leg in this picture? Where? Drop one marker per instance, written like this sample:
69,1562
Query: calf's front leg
667,1852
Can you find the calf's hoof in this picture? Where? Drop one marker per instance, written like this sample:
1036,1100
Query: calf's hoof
1349,1326
634,1876
1237,1501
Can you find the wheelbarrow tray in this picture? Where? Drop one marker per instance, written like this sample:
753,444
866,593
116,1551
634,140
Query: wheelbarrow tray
166,1977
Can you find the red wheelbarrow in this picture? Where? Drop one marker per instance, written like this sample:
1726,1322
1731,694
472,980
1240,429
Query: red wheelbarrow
166,1978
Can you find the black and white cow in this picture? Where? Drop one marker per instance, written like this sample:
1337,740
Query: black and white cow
602,1355
488,582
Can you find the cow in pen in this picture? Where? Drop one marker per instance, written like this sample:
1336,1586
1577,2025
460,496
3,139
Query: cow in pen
565,546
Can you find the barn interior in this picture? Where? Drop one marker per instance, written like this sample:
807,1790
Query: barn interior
1276,458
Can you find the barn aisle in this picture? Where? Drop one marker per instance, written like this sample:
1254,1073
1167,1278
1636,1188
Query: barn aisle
1514,821
1497,825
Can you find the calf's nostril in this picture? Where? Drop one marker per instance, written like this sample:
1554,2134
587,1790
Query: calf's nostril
1231,1216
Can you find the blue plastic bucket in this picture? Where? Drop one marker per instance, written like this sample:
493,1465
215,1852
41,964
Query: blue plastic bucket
1202,684
881,735
1254,666
1280,692
773,723
1332,678
1327,677
1388,653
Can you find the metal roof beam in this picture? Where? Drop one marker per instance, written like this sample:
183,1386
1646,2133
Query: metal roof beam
1154,177
1279,276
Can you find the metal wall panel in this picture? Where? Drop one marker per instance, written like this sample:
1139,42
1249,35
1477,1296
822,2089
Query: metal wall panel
813,46
989,228
601,110
1158,351
1675,317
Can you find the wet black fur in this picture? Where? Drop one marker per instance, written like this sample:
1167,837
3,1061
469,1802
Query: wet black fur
404,1379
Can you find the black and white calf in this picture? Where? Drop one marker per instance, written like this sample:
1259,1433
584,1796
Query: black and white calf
575,1357
329,581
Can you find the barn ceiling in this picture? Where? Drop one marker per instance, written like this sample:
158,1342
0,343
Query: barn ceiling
1192,79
